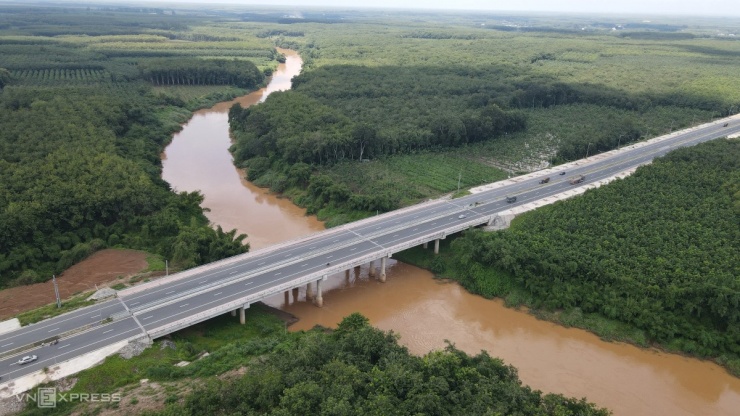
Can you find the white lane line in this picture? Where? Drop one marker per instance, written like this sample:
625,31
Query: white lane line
203,281
3,346
304,264
235,271
105,332
278,273
260,264
55,329
288,255
248,283
353,249
171,291
334,241
395,235
328,257
182,306
147,317
311,247
135,303
66,345
95,316
218,293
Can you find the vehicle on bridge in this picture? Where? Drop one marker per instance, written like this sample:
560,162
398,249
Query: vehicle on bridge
546,180
461,216
577,179
27,359
510,199
726,124
562,173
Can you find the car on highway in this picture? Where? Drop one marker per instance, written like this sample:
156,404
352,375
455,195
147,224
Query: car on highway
27,359
562,173
726,124
461,216
510,199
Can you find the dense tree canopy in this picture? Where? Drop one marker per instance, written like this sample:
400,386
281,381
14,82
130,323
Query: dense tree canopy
359,370
659,250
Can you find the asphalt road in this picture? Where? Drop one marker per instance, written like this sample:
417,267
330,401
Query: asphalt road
183,298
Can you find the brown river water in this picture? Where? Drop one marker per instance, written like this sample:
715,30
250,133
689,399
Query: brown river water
425,311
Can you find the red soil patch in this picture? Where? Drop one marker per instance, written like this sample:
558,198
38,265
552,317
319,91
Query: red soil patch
102,268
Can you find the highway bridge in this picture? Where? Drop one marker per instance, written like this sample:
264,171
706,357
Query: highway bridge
157,308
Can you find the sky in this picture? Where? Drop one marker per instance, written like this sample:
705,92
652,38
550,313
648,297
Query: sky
671,7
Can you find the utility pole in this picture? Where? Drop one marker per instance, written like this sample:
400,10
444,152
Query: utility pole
587,147
166,268
56,291
459,176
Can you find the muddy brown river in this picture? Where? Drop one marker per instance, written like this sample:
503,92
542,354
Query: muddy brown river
425,312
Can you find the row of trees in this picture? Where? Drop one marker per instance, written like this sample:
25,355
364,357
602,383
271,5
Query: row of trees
659,250
178,71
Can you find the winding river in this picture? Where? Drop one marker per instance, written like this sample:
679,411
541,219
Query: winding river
424,311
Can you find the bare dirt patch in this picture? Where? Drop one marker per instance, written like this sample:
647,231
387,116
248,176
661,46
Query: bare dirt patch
102,268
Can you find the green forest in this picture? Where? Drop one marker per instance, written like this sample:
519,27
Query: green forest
84,120
431,87
355,369
658,251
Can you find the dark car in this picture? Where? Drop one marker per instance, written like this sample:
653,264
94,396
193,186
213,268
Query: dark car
510,199
562,173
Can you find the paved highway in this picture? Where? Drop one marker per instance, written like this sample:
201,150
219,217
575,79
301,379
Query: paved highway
253,276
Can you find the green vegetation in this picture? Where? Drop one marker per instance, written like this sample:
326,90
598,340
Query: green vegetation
383,89
84,120
651,259
361,370
48,311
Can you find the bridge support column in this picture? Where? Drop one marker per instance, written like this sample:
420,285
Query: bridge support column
287,297
382,268
242,316
371,270
233,313
436,246
346,274
357,272
319,298
425,245
295,295
309,291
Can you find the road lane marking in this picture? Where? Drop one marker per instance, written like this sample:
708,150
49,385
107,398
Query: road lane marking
182,306
248,283
218,293
304,264
3,346
145,318
55,329
353,249
328,257
95,316
235,271
278,273
171,291
105,332
260,264
135,303
66,345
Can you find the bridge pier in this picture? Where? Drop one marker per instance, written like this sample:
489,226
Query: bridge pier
357,272
295,294
309,291
382,268
371,270
287,297
436,246
319,300
242,314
